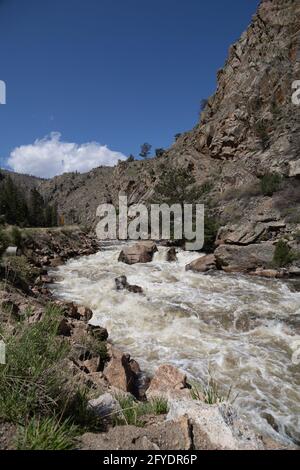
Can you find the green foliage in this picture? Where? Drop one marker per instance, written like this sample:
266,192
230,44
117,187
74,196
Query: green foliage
46,434
261,131
270,183
16,237
159,152
32,381
4,241
145,150
177,186
208,393
211,228
283,254
12,203
16,210
130,159
19,267
203,104
132,411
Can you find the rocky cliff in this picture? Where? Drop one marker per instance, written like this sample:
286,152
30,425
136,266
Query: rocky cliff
245,145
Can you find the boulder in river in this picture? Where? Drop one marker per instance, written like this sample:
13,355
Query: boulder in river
171,254
141,252
203,264
122,284
243,259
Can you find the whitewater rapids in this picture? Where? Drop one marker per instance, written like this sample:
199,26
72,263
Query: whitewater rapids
244,330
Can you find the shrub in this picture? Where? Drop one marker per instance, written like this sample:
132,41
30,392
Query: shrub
46,434
270,184
16,237
19,269
283,254
4,241
211,228
209,393
159,152
262,133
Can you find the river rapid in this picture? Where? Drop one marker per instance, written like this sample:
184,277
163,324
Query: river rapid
242,331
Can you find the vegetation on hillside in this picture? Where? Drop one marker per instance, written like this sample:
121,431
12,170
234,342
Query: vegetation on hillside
16,209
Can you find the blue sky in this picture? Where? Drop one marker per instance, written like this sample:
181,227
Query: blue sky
112,72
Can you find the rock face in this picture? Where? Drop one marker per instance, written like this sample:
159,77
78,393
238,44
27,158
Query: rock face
248,129
243,259
214,427
167,382
141,252
203,264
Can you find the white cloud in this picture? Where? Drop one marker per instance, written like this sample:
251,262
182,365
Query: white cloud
50,156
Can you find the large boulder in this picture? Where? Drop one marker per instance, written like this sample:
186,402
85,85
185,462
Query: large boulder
235,258
203,264
141,252
167,382
214,427
122,372
164,435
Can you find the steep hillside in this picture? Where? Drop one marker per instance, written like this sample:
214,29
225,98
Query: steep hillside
246,144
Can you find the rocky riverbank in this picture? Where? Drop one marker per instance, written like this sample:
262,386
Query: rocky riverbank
132,411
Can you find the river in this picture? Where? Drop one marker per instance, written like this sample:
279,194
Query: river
242,331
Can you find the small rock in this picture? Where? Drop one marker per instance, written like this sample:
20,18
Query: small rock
92,365
104,406
171,255
121,284
85,313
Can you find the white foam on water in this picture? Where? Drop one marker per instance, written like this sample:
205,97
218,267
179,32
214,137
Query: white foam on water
242,329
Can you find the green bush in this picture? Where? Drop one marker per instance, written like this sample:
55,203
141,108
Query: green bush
211,228
283,254
16,237
261,131
270,184
4,241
